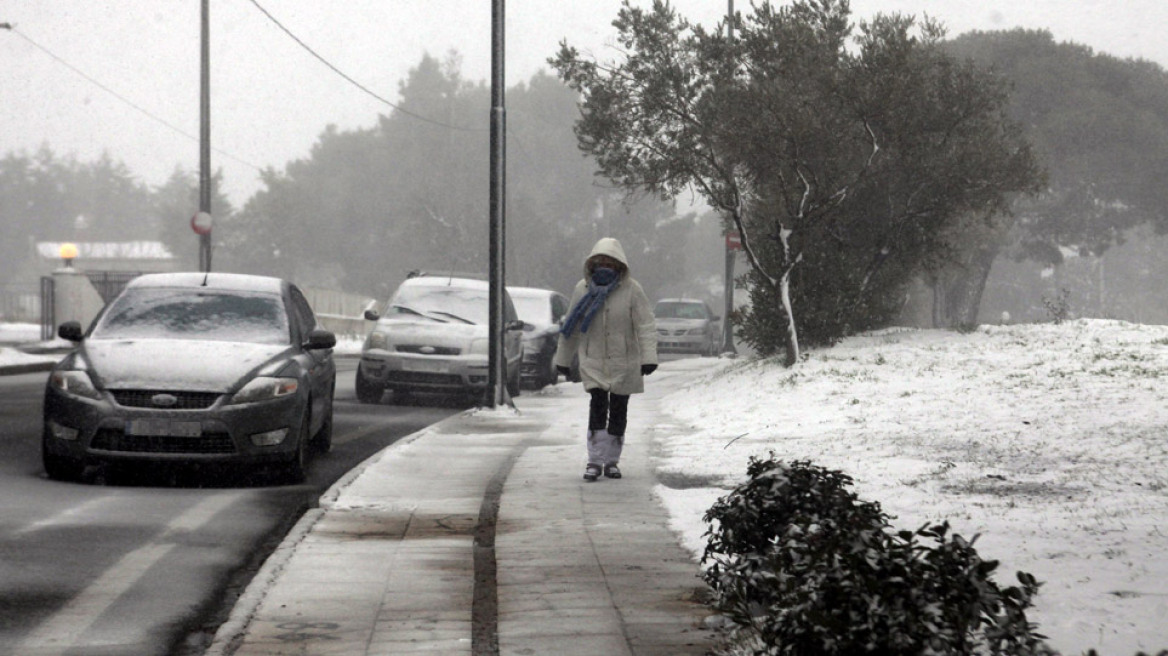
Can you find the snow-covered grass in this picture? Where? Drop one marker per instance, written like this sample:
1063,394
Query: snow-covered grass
1048,441
18,333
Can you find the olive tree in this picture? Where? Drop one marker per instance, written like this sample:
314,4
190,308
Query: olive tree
847,162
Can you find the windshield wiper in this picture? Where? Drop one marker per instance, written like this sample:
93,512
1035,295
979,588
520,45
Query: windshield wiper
452,316
410,310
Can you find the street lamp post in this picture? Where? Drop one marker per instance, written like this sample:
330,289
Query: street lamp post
496,393
205,137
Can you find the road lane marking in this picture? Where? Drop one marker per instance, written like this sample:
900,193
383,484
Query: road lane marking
66,516
60,633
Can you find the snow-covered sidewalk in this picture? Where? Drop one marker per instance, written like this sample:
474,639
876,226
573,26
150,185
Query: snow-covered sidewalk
1048,441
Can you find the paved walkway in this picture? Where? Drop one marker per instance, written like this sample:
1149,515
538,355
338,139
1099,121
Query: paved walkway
478,536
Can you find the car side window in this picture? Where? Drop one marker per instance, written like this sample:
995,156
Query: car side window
559,307
302,313
509,313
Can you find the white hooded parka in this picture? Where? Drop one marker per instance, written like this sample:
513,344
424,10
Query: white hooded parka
621,337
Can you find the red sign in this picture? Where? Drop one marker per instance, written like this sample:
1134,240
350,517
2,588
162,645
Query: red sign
733,241
201,223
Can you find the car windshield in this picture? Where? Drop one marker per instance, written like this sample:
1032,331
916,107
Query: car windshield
443,303
205,315
672,310
533,309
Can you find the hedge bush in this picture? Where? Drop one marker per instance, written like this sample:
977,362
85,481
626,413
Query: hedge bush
802,567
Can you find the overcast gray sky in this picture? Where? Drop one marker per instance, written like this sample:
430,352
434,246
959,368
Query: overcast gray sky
271,99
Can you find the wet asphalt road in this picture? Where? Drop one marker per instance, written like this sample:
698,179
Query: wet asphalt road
148,563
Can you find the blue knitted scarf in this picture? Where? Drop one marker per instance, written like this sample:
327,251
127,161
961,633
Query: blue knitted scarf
602,281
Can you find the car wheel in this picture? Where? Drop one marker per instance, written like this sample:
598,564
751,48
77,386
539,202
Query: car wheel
60,468
513,382
550,375
367,392
322,442
296,469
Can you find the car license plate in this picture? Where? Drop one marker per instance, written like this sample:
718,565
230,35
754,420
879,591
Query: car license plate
430,366
164,428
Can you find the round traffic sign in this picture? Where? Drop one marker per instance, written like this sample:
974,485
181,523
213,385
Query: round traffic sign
201,223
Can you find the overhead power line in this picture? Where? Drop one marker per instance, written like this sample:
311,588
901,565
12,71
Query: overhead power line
120,97
355,83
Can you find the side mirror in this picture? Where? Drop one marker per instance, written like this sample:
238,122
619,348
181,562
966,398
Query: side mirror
70,330
372,315
515,324
715,318
320,339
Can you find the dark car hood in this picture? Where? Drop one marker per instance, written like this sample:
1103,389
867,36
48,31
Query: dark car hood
164,364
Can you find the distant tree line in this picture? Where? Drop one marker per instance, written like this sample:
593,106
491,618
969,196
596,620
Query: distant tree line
368,206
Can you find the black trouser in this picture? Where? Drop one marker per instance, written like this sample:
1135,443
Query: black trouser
607,410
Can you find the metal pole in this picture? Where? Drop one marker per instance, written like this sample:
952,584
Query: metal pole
496,369
205,135
728,289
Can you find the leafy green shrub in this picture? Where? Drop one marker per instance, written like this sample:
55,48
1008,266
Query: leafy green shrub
806,568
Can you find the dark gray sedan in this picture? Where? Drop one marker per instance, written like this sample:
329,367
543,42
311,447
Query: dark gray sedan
193,367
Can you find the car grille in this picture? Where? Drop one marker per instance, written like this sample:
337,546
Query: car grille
184,400
429,350
424,378
112,439
666,332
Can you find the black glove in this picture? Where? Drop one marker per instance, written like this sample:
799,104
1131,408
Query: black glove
563,370
647,369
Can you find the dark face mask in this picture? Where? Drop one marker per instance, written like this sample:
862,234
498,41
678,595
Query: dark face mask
603,275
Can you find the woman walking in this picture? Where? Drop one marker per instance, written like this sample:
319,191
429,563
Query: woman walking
612,331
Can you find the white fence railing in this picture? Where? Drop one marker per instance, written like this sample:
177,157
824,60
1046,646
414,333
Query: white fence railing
340,312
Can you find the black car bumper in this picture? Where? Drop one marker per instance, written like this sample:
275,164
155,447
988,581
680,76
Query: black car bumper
102,430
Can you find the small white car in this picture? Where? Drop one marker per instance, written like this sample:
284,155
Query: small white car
542,311
434,337
686,326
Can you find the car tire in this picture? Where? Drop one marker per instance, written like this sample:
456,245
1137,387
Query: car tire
61,468
513,382
296,469
322,442
550,375
367,392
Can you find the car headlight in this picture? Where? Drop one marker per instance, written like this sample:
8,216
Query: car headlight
377,341
74,383
264,388
479,347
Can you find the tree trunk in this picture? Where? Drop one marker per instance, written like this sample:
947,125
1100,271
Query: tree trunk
791,343
957,291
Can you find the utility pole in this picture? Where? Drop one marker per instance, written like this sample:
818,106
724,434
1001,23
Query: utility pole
205,138
728,288
496,393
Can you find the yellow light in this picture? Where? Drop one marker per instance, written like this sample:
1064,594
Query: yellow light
68,251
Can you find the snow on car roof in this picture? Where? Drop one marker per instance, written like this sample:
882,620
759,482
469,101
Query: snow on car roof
445,281
529,291
232,281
